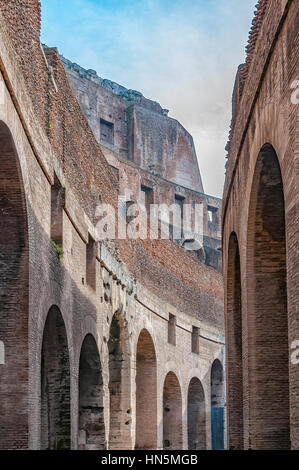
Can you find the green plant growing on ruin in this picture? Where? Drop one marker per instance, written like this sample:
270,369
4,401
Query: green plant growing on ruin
59,251
154,174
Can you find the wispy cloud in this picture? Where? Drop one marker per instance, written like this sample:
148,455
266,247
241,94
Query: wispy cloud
182,53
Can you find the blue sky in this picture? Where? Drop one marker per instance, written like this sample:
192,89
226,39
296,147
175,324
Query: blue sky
181,53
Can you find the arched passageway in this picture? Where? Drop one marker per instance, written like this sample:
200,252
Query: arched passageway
119,385
217,405
234,346
268,353
172,413
146,393
13,299
196,416
91,410
55,384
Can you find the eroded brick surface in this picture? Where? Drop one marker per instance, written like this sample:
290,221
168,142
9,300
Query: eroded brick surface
260,237
69,377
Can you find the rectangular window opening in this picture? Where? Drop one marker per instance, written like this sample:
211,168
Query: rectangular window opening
91,253
107,131
179,201
147,198
172,329
212,214
57,206
195,340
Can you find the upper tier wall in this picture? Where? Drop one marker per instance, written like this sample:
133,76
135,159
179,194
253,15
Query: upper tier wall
136,128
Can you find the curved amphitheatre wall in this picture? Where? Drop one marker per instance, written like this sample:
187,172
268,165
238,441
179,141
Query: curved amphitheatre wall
261,200
138,282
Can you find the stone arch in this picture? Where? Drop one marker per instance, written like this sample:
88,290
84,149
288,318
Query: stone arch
234,346
217,405
14,268
268,352
91,409
172,413
119,384
196,416
146,393
55,384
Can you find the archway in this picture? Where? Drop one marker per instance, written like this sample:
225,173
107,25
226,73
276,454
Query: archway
234,346
172,413
196,416
14,268
146,393
119,385
268,352
91,410
55,384
217,405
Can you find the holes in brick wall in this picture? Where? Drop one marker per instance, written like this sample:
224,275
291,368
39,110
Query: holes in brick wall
57,205
119,384
196,416
195,339
91,410
55,385
172,414
91,261
234,346
146,393
172,329
115,373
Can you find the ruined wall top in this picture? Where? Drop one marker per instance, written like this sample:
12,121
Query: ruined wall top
129,95
135,127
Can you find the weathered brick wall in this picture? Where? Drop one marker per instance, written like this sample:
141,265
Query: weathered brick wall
260,199
143,133
141,281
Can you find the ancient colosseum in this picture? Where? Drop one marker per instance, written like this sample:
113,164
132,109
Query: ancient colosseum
104,344
260,236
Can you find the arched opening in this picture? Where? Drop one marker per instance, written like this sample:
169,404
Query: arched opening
14,268
269,426
91,410
217,405
234,346
119,385
146,393
196,416
55,384
172,413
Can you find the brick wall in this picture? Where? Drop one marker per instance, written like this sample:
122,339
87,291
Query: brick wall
260,208
139,282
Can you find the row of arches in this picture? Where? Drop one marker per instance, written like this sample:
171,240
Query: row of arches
56,395
55,373
257,345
